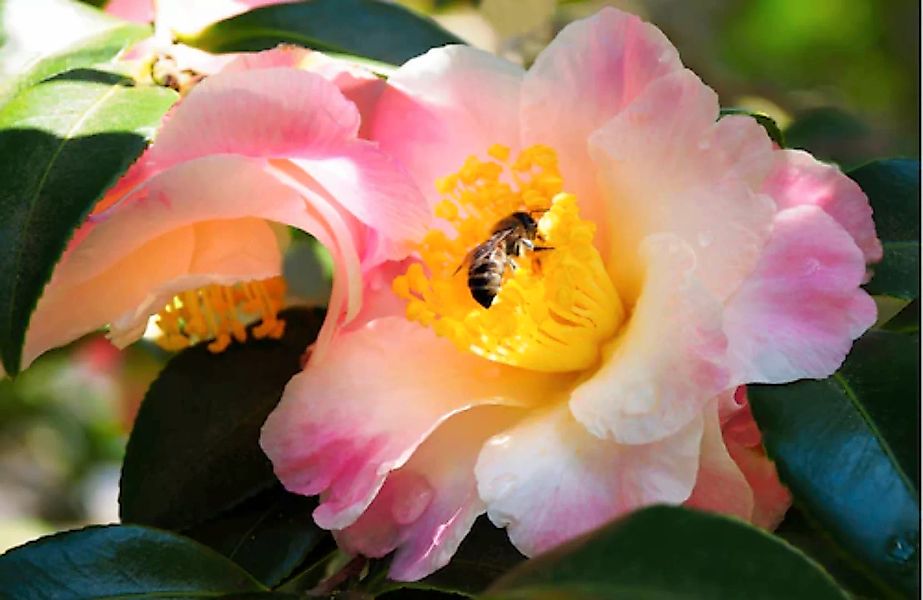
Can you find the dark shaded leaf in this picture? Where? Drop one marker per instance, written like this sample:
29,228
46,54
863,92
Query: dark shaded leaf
268,535
670,552
194,450
905,321
847,448
893,188
119,561
63,143
765,121
367,28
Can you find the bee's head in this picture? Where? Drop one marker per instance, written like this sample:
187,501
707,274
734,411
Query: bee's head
528,222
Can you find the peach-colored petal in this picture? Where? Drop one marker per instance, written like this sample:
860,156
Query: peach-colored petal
548,480
426,507
664,170
798,178
720,486
360,411
658,375
798,313
591,71
201,222
444,106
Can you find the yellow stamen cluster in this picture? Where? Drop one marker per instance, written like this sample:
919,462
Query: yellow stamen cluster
219,313
554,310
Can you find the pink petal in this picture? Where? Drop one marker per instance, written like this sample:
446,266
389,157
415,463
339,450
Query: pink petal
668,165
548,480
360,412
444,106
140,11
658,375
720,486
589,73
288,113
799,311
426,507
201,222
798,178
770,498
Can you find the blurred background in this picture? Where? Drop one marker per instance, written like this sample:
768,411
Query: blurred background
841,77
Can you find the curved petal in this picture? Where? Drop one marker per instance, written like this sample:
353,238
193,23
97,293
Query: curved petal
720,486
288,114
590,72
190,16
201,222
140,11
771,499
548,480
798,178
360,412
798,313
658,375
664,168
426,507
444,106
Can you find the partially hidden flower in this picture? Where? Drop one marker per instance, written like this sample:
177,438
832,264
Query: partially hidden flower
680,257
191,232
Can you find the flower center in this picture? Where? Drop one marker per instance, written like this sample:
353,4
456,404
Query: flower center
219,313
515,244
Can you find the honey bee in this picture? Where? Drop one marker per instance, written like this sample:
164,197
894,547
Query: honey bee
510,237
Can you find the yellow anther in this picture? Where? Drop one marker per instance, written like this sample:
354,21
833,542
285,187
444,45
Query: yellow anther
218,313
555,310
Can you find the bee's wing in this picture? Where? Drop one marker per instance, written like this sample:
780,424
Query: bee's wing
491,245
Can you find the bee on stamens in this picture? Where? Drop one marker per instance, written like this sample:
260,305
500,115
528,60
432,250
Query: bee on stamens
511,237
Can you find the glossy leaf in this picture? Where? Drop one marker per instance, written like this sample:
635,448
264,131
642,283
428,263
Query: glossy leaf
670,552
63,143
847,448
268,535
765,121
119,561
893,188
194,449
907,320
86,52
372,29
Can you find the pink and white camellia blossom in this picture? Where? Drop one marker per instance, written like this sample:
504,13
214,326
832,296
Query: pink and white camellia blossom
190,231
685,257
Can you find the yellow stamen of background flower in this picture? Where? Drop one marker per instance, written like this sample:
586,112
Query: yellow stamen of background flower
555,309
218,313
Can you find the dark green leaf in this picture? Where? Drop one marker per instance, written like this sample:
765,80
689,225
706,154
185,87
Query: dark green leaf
767,123
367,28
194,450
670,552
905,321
847,448
63,143
268,535
893,188
119,561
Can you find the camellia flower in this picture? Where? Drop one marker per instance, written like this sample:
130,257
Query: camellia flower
189,233
677,258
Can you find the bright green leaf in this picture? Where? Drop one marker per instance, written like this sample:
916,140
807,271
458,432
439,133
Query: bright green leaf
119,561
847,448
194,449
670,552
765,121
367,28
893,188
87,52
63,143
268,535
